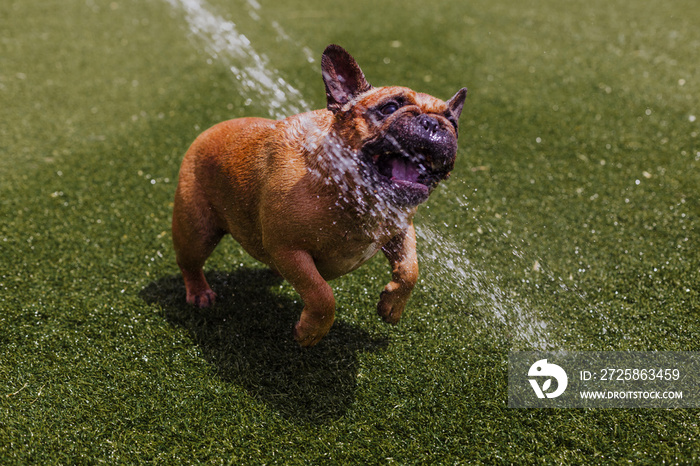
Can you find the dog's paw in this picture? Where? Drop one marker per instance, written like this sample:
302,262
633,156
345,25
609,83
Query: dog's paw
392,303
307,334
205,298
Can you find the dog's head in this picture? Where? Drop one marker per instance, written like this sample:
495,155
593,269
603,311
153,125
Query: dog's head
406,141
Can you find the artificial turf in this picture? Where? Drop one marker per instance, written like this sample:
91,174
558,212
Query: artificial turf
571,221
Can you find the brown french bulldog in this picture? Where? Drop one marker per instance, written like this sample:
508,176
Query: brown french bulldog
316,195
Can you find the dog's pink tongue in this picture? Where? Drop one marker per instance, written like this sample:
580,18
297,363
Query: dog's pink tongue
403,170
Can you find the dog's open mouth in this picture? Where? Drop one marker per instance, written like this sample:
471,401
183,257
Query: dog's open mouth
407,175
398,168
402,169
406,172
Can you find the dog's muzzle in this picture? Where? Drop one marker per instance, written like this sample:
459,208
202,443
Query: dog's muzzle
412,157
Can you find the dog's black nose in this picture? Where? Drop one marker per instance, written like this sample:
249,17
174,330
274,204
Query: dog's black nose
430,124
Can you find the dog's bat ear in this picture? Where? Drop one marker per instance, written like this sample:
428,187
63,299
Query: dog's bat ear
342,76
456,103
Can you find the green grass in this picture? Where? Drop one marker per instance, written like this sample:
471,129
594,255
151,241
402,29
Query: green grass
578,152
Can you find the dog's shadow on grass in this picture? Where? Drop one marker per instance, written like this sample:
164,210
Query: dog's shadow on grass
247,337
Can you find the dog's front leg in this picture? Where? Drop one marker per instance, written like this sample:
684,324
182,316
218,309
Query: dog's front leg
299,269
401,252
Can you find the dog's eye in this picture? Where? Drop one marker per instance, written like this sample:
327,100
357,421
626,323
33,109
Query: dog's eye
389,108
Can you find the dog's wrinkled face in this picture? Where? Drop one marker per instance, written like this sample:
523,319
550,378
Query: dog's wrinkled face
407,141
415,142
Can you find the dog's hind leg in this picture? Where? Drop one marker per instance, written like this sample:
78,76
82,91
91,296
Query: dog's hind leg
195,235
